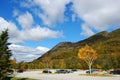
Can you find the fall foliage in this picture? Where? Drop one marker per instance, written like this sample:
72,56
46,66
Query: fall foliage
88,55
106,44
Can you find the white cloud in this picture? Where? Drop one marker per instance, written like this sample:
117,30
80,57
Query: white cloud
12,30
38,33
42,49
99,14
24,53
74,17
35,33
51,11
25,20
86,31
15,12
27,3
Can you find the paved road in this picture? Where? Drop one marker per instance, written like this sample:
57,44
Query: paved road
71,76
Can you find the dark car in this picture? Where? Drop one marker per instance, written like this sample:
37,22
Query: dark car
62,71
115,72
92,71
47,71
73,70
10,71
20,71
11,75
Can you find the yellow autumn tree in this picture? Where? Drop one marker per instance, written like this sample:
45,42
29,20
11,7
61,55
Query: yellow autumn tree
88,55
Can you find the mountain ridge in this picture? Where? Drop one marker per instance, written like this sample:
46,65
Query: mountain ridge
105,43
82,42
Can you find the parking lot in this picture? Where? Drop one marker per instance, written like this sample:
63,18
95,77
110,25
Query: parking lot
68,76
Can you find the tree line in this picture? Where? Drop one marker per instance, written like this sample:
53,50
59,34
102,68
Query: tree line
106,53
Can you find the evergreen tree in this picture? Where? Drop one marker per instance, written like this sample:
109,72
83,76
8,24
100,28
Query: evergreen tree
5,54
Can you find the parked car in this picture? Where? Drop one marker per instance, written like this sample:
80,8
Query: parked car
11,75
20,71
10,71
47,71
92,71
115,72
62,71
73,70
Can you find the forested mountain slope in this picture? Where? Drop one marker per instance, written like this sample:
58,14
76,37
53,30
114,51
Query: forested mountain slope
65,54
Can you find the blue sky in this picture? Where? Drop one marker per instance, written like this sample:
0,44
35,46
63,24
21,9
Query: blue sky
35,26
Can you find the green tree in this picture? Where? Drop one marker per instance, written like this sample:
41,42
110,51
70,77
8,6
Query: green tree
5,54
88,55
13,63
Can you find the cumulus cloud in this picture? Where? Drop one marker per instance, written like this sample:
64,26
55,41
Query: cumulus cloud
51,11
99,14
95,14
12,30
24,53
25,20
74,17
86,30
36,33
15,12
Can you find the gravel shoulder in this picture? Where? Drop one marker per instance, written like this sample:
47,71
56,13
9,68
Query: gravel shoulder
69,76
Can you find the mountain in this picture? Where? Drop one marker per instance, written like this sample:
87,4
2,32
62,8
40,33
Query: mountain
64,54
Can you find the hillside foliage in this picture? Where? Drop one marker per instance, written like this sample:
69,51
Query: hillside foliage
65,54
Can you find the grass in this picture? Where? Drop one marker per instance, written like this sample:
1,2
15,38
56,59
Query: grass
22,79
101,75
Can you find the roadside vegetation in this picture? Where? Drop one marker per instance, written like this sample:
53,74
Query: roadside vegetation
101,75
22,79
